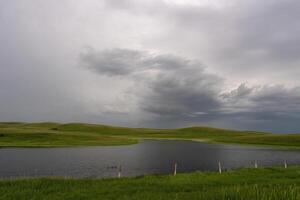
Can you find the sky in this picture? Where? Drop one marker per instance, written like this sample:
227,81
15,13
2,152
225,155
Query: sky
152,63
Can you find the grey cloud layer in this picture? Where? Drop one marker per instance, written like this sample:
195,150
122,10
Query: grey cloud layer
241,37
273,101
179,90
161,83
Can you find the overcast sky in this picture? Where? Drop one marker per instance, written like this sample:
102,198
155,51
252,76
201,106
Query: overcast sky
152,63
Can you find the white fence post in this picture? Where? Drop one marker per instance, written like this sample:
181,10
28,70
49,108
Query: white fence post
175,169
285,164
220,167
120,171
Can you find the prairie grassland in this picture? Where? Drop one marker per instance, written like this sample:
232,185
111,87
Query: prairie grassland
76,134
245,184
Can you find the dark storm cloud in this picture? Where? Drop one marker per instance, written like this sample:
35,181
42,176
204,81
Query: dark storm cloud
109,62
271,108
172,86
179,90
274,101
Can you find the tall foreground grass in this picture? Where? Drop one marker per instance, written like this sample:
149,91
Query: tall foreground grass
244,184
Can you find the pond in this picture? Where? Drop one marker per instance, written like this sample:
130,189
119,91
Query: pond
147,157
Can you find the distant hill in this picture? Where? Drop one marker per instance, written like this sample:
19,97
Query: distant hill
50,134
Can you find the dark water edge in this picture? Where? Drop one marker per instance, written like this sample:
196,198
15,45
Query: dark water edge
144,158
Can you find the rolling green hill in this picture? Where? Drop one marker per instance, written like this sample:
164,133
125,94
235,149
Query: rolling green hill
79,134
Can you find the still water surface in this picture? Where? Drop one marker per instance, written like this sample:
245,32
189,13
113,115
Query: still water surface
147,157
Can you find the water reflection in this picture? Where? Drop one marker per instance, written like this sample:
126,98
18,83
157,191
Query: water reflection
147,157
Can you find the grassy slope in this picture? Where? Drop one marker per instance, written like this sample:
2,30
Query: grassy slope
246,184
76,134
46,135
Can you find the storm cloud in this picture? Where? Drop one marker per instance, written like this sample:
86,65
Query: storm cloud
152,63
168,85
179,90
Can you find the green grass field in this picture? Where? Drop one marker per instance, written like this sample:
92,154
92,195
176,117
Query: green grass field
246,184
243,184
76,134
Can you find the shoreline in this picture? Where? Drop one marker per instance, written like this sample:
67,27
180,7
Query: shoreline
138,140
